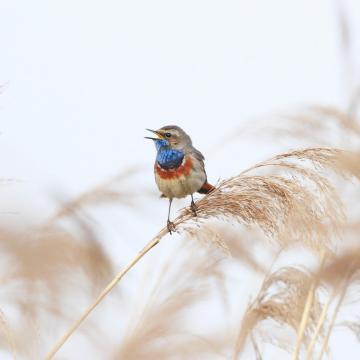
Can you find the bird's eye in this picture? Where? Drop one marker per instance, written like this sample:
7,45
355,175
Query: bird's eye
167,135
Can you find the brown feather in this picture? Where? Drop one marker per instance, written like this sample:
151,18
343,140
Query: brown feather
206,188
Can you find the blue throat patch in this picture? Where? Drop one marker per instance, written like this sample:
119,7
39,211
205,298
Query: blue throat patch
166,157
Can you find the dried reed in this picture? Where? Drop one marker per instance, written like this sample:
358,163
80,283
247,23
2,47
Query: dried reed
300,206
160,319
283,297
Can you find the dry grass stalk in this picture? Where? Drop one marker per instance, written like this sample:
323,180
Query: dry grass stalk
59,250
342,267
306,312
304,321
256,348
319,327
336,127
282,298
105,292
321,126
302,206
234,242
343,270
111,191
184,281
344,288
340,272
36,263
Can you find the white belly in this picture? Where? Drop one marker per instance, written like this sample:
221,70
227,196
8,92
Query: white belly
181,186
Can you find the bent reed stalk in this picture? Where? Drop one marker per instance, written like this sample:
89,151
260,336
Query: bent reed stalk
103,294
287,208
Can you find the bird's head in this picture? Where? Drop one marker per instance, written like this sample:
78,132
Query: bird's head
170,136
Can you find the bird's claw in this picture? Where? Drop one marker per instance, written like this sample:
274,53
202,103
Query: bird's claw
193,208
170,226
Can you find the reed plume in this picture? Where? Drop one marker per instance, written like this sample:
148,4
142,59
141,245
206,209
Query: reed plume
298,206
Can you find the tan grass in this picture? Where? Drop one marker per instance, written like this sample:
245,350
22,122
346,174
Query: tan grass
108,192
282,298
320,126
184,281
290,198
300,206
37,265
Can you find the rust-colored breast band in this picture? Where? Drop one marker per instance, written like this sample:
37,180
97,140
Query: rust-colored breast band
183,170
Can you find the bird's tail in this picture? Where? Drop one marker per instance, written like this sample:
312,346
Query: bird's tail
206,188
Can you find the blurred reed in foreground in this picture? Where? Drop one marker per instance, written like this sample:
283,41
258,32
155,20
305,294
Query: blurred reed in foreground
303,199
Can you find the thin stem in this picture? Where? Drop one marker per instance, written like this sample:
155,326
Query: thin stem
306,312
320,323
103,294
303,322
180,219
336,311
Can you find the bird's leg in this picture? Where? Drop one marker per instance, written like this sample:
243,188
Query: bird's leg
193,206
170,225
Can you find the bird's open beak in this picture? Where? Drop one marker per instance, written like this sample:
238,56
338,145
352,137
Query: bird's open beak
158,133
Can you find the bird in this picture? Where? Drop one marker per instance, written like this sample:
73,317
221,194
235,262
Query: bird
179,167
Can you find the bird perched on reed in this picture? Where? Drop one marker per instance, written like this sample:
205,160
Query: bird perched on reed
179,167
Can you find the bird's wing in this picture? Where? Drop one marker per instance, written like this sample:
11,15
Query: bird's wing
199,157
197,154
